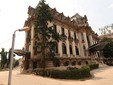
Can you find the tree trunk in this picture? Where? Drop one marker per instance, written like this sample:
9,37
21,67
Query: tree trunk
43,51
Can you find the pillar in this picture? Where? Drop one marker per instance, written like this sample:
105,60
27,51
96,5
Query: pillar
80,45
91,39
32,41
60,48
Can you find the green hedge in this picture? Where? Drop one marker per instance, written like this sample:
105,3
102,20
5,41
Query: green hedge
83,72
93,66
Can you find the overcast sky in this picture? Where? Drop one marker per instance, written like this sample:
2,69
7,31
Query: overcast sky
13,13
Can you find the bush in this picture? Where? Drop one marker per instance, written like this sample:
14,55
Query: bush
15,63
85,71
56,62
64,74
93,66
42,72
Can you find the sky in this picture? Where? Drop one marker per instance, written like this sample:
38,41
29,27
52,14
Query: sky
13,14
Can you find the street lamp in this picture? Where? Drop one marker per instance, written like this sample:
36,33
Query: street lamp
12,51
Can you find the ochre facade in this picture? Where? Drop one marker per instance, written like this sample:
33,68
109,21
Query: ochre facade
76,34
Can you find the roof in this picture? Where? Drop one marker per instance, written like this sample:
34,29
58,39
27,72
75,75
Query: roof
19,52
97,46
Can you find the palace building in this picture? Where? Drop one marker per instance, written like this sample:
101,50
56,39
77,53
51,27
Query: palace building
77,37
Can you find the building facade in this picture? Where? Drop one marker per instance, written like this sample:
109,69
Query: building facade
76,34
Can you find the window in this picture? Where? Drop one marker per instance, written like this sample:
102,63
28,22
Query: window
69,34
54,28
88,41
77,50
84,50
82,36
70,48
62,29
75,36
64,48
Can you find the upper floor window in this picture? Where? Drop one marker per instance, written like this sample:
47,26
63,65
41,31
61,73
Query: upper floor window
70,48
64,48
54,27
82,36
88,40
69,34
62,29
75,36
77,50
84,48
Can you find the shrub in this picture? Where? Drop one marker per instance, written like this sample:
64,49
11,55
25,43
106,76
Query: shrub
93,66
56,62
85,71
15,63
64,74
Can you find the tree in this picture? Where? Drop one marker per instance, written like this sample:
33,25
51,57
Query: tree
9,56
3,58
108,49
47,34
105,39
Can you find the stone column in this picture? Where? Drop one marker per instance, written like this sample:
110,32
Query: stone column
67,43
73,48
60,42
91,39
80,45
73,45
67,47
85,39
26,44
86,44
32,41
60,48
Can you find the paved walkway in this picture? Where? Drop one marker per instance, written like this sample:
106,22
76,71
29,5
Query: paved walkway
102,76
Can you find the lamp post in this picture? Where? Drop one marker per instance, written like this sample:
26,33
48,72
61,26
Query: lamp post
12,51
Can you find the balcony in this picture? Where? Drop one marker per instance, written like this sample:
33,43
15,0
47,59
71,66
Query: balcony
70,39
76,40
63,37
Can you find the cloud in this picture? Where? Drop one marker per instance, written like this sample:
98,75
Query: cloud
111,6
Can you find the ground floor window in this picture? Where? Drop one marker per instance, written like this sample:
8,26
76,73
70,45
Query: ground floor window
64,48
77,50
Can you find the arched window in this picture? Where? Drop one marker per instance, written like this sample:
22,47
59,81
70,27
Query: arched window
62,29
70,49
54,28
69,34
64,48
82,37
77,50
75,36
84,50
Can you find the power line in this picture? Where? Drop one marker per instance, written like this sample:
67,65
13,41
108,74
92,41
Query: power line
5,41
8,39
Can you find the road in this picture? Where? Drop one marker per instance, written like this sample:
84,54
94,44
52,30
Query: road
102,76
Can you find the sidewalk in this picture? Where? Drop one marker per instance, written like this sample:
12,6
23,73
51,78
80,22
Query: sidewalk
102,76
